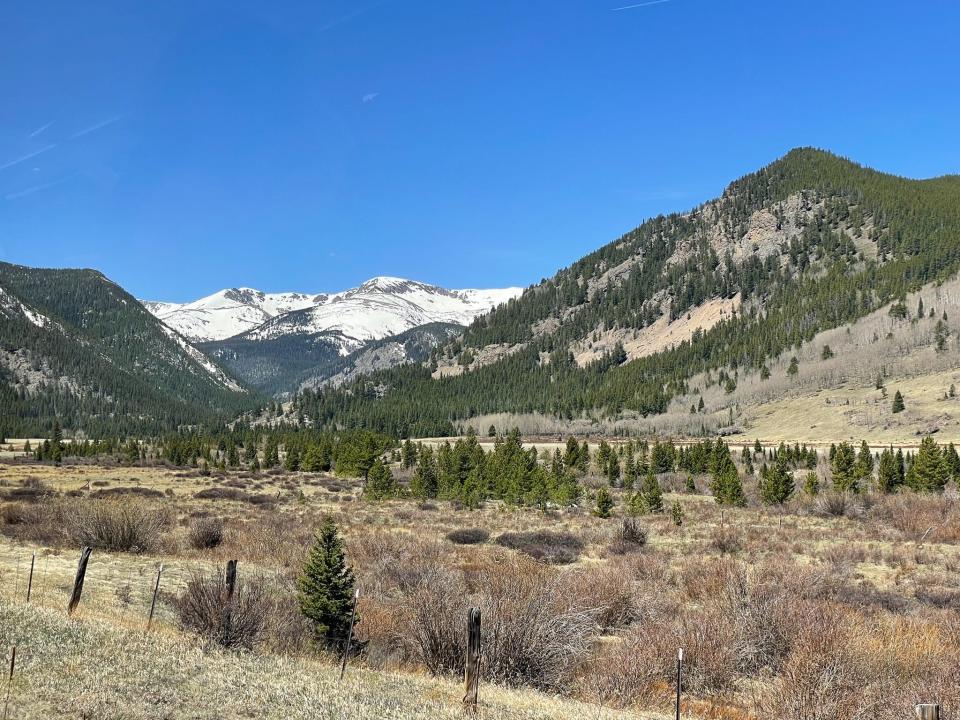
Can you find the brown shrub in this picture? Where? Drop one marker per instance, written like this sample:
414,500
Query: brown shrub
30,490
121,525
206,533
203,608
468,536
605,591
555,548
533,636
630,536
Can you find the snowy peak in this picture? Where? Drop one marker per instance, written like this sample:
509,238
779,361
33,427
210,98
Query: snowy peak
380,307
226,313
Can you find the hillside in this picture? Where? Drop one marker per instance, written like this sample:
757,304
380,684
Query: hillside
806,244
75,345
310,343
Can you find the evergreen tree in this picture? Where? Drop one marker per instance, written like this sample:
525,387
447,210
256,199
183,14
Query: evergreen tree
864,466
55,451
424,481
928,472
652,494
380,483
604,503
325,587
898,405
843,466
776,484
409,454
811,484
726,486
691,486
888,472
794,367
676,512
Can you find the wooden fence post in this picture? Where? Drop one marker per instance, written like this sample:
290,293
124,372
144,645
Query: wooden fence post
346,650
153,603
230,582
13,662
472,671
33,560
927,712
78,581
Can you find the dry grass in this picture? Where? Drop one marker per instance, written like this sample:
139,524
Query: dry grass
604,627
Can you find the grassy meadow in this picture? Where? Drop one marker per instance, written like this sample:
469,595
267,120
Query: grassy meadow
825,608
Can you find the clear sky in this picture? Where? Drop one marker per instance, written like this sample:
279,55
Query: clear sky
181,147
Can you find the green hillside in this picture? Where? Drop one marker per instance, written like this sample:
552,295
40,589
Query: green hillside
75,345
848,239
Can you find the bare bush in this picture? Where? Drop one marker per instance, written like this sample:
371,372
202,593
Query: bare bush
206,533
204,608
533,636
468,536
556,548
119,525
630,536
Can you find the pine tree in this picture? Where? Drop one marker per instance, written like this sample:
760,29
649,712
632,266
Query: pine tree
726,486
56,443
409,454
691,487
811,484
613,471
424,481
929,472
843,466
652,494
776,484
326,586
604,503
864,466
676,512
794,367
888,472
898,405
380,483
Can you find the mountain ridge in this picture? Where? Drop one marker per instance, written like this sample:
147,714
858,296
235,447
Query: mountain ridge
232,312
808,242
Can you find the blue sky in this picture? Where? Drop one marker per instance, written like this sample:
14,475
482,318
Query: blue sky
181,147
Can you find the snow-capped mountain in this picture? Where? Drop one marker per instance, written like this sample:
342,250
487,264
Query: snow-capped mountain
228,312
379,308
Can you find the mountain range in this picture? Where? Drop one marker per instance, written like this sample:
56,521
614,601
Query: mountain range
280,342
687,320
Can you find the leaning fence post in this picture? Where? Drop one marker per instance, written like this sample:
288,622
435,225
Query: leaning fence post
927,711
153,603
33,560
78,581
472,672
346,650
230,582
13,662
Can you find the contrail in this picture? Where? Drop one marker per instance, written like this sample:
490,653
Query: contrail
26,157
33,189
639,5
40,129
93,128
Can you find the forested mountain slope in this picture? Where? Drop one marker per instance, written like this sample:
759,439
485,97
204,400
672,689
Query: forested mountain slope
808,243
75,345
